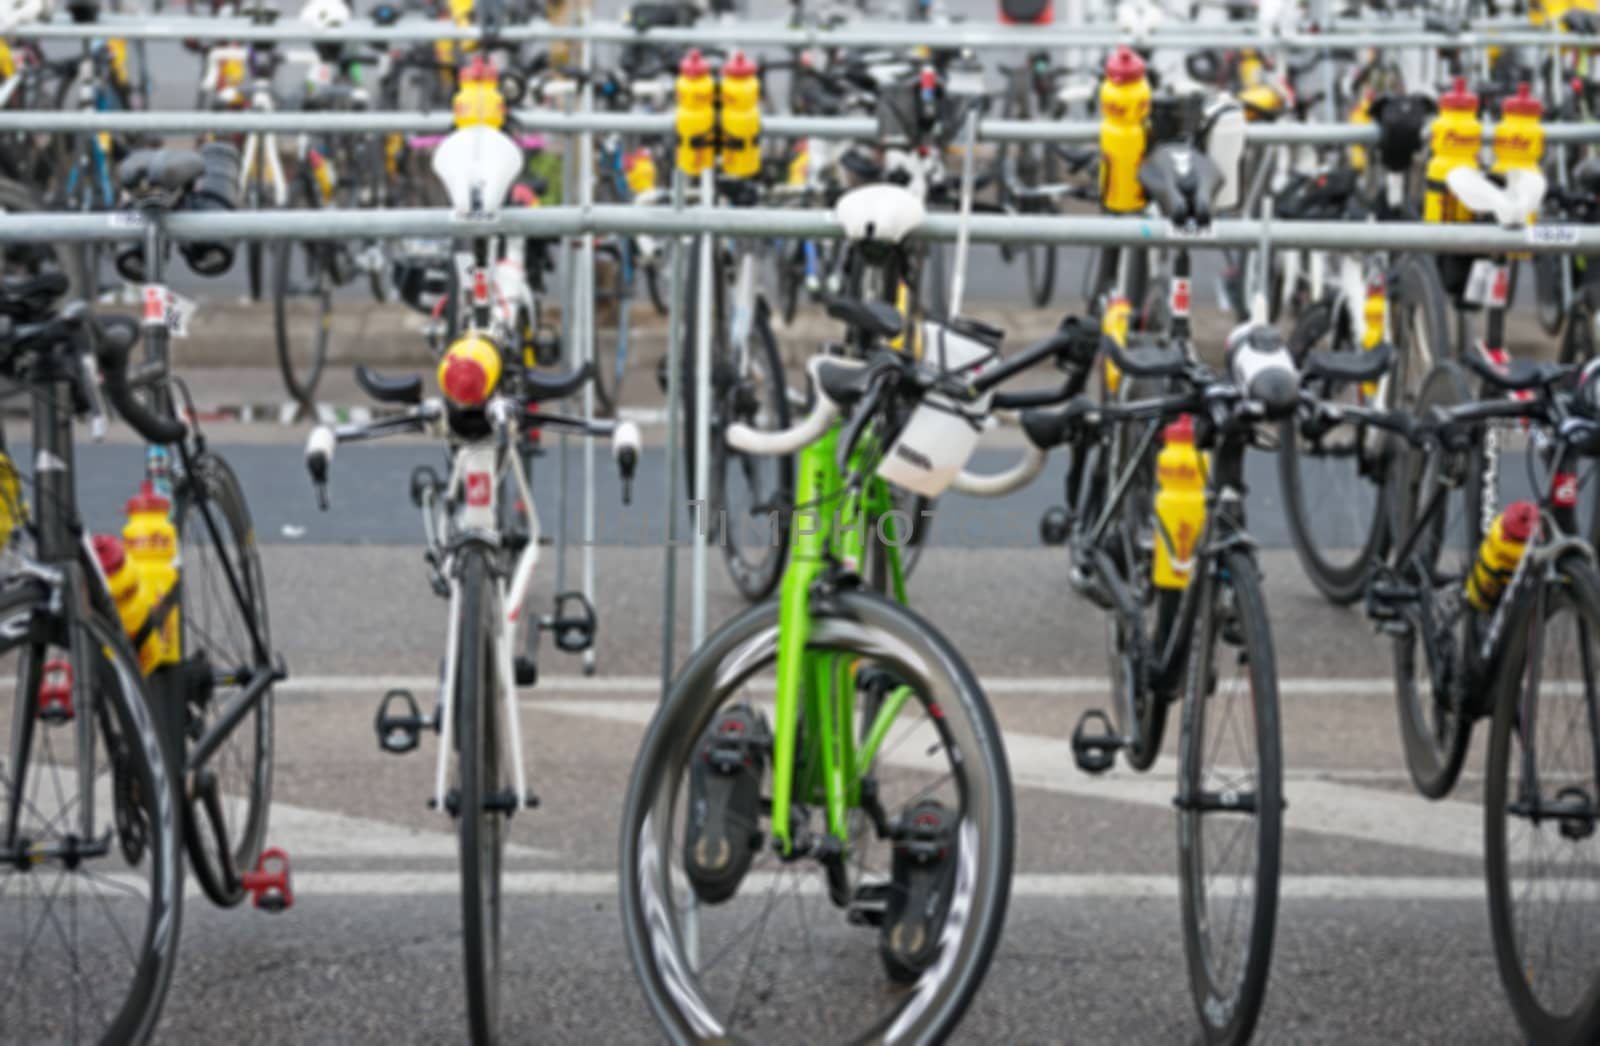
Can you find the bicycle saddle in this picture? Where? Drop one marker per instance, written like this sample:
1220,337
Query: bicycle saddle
1514,375
1324,196
878,319
25,296
1349,366
1182,182
1400,119
843,382
167,171
879,213
1144,358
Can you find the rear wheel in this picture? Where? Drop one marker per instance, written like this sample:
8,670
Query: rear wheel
1541,806
217,627
613,293
481,824
1435,727
302,305
1230,801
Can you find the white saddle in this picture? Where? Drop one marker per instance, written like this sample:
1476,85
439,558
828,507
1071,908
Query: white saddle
477,166
879,213
1513,206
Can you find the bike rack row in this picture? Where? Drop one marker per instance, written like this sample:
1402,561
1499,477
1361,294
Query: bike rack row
579,123
778,33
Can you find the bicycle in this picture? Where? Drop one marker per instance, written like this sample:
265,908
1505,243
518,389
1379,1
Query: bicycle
483,545
91,879
1470,643
211,688
1172,638
876,767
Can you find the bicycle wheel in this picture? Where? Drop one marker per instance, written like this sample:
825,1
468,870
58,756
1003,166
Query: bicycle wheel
754,495
482,824
302,306
1331,478
1577,341
1541,802
1027,166
254,251
1548,272
765,935
91,915
216,536
613,293
1435,725
1230,801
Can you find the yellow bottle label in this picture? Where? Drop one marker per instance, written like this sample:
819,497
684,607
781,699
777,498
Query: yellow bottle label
8,64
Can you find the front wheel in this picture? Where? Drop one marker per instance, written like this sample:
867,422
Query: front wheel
481,821
1230,801
302,307
1541,805
895,923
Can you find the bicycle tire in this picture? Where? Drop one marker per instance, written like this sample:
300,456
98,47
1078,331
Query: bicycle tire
145,834
850,624
1548,272
1340,578
1434,729
254,251
608,376
1577,340
755,567
654,280
1228,1014
226,648
300,379
482,829
1564,840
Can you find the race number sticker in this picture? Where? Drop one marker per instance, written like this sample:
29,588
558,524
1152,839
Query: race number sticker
180,311
1480,289
479,489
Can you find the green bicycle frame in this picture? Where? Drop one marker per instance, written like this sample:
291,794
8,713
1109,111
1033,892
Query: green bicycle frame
830,529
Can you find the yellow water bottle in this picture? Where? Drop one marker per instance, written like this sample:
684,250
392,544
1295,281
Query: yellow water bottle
13,504
741,117
1500,553
152,546
639,167
1124,104
1180,504
133,602
478,102
697,117
1518,141
1456,142
1361,114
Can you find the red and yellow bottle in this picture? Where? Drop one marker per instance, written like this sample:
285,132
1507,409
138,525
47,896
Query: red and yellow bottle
1499,554
740,92
128,592
1456,142
478,101
1180,505
1518,142
697,117
639,168
151,544
1124,105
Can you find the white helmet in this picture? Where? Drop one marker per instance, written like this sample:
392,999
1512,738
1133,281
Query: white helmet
325,14
19,12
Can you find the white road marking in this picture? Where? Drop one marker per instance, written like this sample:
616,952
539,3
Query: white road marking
1325,807
1024,886
994,686
307,833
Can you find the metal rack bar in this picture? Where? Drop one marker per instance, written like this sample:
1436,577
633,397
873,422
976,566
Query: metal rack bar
545,121
603,219
779,33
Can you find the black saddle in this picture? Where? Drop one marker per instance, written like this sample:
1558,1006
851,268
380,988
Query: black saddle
1181,181
875,318
169,171
22,297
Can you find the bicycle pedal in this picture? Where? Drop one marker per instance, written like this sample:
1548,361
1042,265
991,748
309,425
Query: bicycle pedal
55,692
399,732
526,672
1054,526
268,885
1094,743
573,622
869,906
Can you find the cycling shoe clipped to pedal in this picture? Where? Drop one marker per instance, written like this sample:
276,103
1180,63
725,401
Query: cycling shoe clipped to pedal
924,870
723,833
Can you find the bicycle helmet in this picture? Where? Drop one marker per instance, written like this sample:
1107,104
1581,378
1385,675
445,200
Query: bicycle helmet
325,14
20,12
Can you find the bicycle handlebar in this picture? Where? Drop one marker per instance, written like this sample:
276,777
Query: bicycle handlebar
117,338
787,441
997,484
